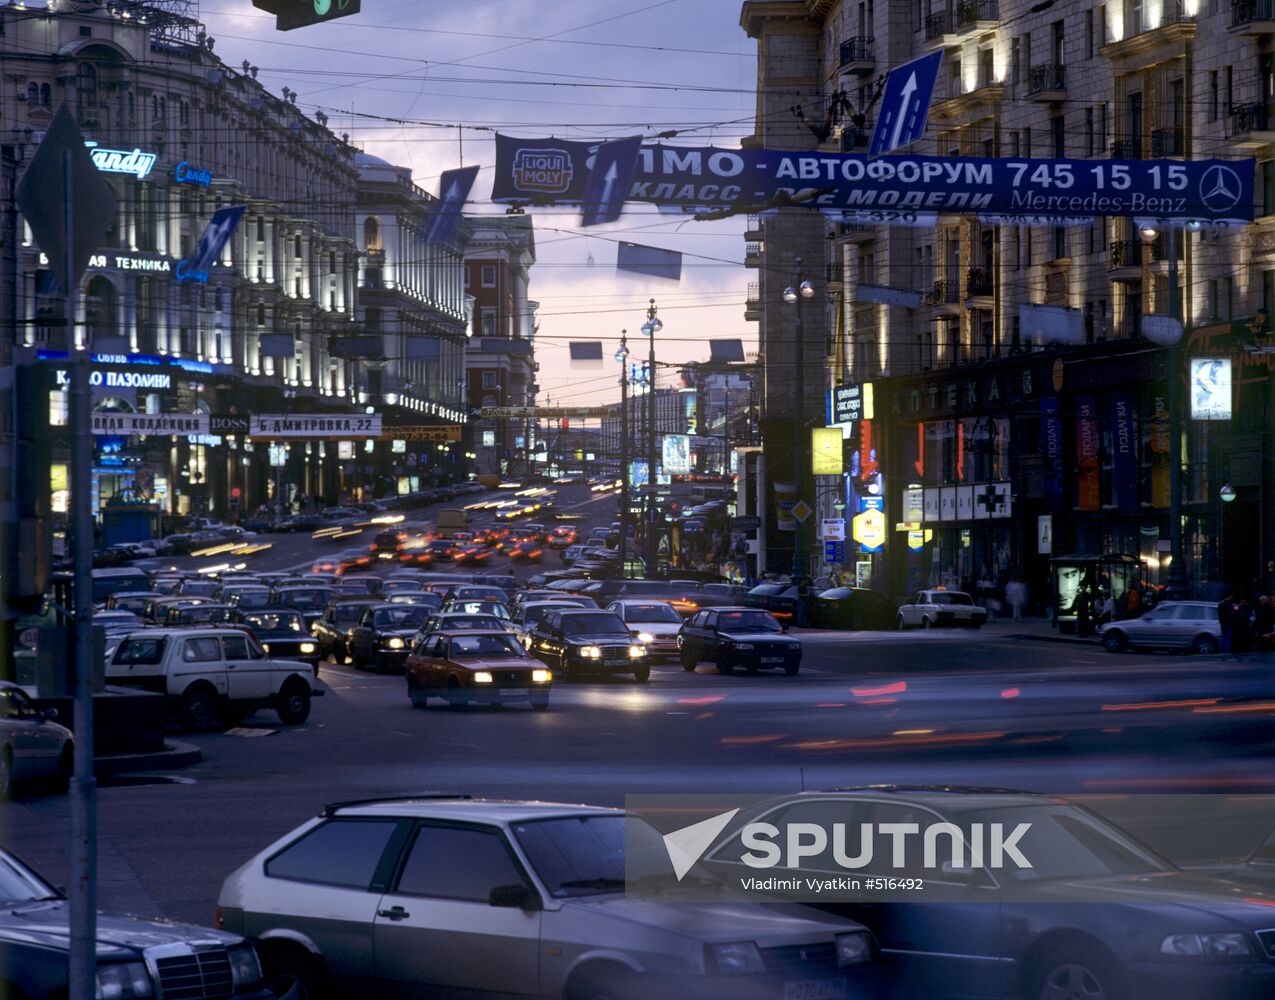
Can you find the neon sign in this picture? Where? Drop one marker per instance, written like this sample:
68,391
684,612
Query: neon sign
121,161
186,174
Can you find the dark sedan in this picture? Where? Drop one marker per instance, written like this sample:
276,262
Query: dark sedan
382,638
332,630
575,642
283,634
310,601
738,637
850,608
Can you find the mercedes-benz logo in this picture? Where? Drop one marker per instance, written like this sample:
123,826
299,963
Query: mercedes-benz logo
1220,188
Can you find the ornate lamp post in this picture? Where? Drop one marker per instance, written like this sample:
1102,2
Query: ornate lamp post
650,328
800,289
622,356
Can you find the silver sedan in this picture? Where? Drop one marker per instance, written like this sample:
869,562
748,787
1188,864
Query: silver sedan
32,746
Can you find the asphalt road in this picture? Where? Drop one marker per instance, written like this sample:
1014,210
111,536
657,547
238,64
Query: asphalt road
1002,707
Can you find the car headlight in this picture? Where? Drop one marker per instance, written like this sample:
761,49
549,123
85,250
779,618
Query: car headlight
395,643
266,646
483,677
853,948
541,677
123,979
645,637
739,958
245,969
590,652
1206,945
308,647
636,651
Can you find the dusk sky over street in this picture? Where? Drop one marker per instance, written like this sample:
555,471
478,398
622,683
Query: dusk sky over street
413,80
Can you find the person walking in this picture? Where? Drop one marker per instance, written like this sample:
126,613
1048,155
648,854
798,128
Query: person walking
1016,596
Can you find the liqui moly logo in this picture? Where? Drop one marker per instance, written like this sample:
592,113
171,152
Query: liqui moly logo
547,170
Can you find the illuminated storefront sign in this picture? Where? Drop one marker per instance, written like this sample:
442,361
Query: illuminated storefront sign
120,161
121,380
124,260
186,174
1210,388
825,451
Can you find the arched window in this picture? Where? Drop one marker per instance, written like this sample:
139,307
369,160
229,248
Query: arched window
33,93
261,314
45,94
86,85
101,313
154,106
372,233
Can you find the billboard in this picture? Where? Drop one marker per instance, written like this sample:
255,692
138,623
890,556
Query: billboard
1210,388
677,454
825,451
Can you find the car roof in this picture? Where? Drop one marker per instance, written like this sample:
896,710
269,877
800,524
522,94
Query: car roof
944,798
502,811
187,632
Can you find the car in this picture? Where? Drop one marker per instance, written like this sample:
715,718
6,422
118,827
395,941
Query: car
450,896
32,745
571,553
116,624
196,586
115,580
134,957
933,608
738,637
130,600
525,550
440,550
850,608
401,585
204,613
478,592
282,633
309,600
384,634
577,641
1187,625
211,674
332,630
455,621
1097,914
246,598
473,667
473,553
156,610
529,615
655,624
388,544
780,598
476,607
420,597
562,537
359,583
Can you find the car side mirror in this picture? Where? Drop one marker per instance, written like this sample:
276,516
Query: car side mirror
515,897
49,714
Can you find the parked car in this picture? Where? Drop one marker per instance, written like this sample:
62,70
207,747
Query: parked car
282,633
135,958
655,624
577,641
116,624
851,608
475,667
332,630
383,636
211,674
456,897
933,608
1188,625
738,637
32,746
780,599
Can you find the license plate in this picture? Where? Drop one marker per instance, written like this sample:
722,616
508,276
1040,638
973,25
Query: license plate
814,989
615,663
514,692
772,659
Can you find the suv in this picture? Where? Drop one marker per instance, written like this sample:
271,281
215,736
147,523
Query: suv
212,673
442,895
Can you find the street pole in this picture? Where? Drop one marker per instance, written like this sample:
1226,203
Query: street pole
726,426
800,289
83,804
651,327
622,356
1175,587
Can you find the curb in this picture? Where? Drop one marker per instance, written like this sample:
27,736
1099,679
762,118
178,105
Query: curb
175,754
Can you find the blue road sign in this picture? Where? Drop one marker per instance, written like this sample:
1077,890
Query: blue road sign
834,552
905,104
609,181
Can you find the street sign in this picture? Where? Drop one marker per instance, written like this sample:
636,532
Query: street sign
833,529
869,530
834,552
331,425
454,187
745,523
128,424
1045,534
1163,330
609,180
291,14
905,104
801,510
421,432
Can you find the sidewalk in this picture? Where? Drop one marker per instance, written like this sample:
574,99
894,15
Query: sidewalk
1036,630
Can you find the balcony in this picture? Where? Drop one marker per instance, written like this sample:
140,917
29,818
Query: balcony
834,275
1252,124
1252,17
978,283
938,28
752,302
1146,42
1124,260
857,55
752,228
1126,149
977,15
855,139
752,255
945,297
855,232
1047,83
1168,142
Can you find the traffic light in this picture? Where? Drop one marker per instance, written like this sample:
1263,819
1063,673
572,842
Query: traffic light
291,14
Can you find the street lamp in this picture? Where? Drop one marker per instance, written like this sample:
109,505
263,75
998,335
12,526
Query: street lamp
800,289
622,356
650,328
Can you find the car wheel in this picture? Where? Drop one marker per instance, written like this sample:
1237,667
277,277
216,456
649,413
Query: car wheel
294,703
6,773
1113,641
724,666
198,709
926,623
617,984
1204,645
456,699
642,674
853,624
66,770
291,970
419,698
900,624
1076,972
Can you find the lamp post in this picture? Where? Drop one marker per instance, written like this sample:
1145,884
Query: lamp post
622,356
800,289
650,328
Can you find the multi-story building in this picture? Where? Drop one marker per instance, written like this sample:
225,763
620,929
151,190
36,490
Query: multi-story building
1076,435
500,366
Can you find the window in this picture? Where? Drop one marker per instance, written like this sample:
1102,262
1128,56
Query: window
489,380
33,93
1089,134
341,852
205,649
1229,72
14,704
1102,25
1015,61
1027,142
1058,127
449,862
487,321
235,647
1089,33
1213,95
489,275
86,85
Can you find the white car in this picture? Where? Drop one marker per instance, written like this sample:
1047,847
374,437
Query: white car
32,746
213,673
652,623
932,608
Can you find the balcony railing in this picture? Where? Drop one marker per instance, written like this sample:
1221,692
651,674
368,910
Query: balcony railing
834,273
1253,117
944,293
978,282
1125,253
971,13
1168,141
938,25
1047,77
857,49
1251,11
754,293
1126,149
854,138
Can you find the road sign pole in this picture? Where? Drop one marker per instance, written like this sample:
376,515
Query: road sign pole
83,799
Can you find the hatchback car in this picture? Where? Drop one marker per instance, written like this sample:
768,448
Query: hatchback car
1189,625
446,896
738,637
485,668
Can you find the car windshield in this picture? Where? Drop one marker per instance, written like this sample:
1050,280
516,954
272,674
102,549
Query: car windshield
747,621
485,646
347,614
276,621
593,625
634,613
199,588
481,608
141,651
116,619
480,623
401,616
950,597
18,885
1065,842
252,598
585,855
305,598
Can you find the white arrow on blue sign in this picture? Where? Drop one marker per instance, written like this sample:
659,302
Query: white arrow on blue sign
609,180
905,104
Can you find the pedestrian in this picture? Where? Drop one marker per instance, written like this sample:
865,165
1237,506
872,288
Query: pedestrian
1133,603
1016,596
1264,623
1084,613
1226,618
